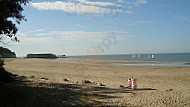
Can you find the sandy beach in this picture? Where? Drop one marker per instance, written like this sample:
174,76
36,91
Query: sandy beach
162,86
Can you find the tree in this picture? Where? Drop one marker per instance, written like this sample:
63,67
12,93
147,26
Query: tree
11,9
6,53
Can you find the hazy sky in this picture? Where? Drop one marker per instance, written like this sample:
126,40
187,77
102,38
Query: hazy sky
80,27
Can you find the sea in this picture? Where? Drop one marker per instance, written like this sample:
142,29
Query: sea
169,59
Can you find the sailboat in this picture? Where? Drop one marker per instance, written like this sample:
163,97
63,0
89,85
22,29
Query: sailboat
133,56
153,56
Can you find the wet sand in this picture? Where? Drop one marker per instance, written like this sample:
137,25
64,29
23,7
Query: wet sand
156,85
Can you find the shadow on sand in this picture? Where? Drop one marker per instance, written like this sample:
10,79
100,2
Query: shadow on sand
24,93
30,94
144,89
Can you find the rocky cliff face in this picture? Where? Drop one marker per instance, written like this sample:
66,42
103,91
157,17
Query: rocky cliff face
6,53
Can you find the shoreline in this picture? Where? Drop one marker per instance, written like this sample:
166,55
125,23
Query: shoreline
122,63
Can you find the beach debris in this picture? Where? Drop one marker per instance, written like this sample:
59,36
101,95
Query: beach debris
133,84
169,90
23,77
44,78
32,76
129,83
121,86
86,81
65,79
100,84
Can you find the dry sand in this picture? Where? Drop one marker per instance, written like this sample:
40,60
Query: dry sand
157,86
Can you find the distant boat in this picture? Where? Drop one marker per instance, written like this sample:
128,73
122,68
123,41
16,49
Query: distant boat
153,56
133,56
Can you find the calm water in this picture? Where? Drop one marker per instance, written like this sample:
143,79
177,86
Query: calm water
174,59
178,57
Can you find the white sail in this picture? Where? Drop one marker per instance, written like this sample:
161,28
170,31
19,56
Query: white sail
153,56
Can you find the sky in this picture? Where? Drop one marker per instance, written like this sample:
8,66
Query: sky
95,27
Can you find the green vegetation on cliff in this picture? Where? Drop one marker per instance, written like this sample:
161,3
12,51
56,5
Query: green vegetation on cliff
6,53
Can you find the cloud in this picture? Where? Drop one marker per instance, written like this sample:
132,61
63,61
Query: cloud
120,1
131,24
81,36
182,18
140,2
61,37
86,6
129,12
78,8
98,3
121,32
59,42
141,22
30,37
132,4
38,30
